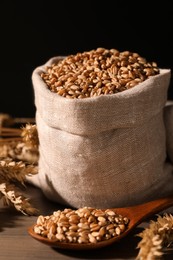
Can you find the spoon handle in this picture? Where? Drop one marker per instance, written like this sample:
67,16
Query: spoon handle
139,213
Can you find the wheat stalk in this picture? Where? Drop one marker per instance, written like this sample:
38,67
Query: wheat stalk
18,159
155,238
12,197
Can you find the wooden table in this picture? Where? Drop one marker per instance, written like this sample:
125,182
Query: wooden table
17,244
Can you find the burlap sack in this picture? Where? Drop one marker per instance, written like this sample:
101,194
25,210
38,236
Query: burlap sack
105,151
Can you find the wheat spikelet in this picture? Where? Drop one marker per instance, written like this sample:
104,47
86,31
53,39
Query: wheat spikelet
155,238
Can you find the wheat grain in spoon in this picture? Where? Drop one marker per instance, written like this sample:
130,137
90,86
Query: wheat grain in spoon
135,214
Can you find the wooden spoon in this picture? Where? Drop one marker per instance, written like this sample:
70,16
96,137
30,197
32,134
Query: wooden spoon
136,214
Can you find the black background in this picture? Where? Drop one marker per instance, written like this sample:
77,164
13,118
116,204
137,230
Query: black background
31,32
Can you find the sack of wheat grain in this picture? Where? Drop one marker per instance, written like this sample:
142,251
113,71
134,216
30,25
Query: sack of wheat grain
102,140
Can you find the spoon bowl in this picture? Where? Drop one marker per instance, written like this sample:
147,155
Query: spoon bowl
136,215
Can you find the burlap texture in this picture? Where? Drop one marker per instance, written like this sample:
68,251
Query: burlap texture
105,151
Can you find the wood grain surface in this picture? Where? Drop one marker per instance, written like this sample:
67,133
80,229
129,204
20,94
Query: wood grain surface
17,244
